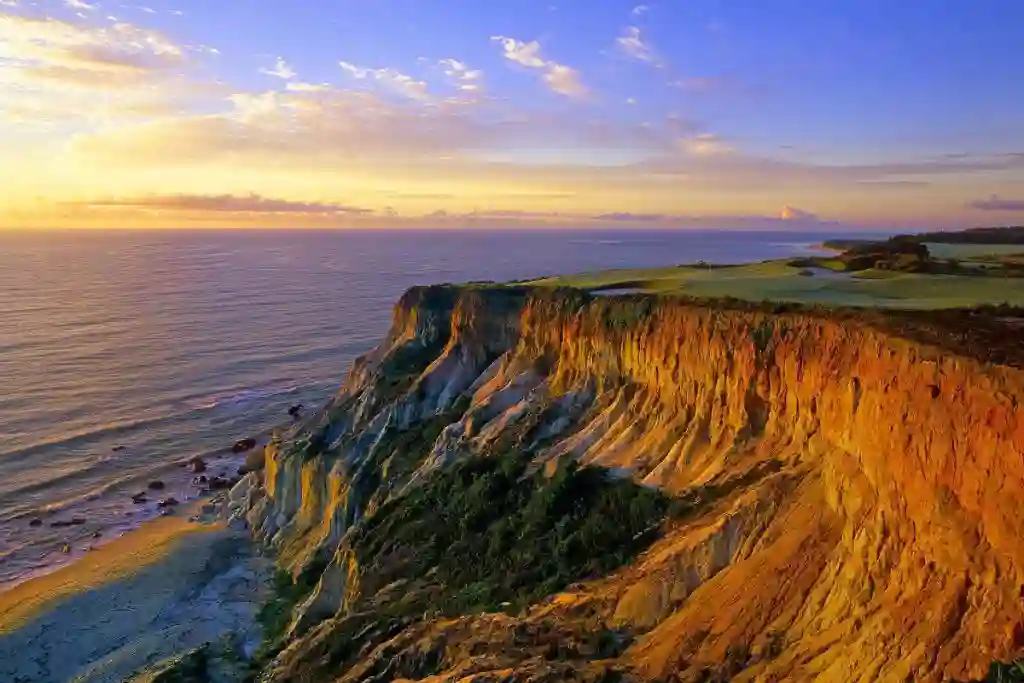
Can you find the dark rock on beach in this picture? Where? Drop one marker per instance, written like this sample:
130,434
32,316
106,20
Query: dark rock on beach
139,498
76,521
196,466
35,522
167,502
156,485
243,445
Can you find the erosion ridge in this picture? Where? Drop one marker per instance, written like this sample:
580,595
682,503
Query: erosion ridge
849,493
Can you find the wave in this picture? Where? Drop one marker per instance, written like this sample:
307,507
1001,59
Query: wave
243,396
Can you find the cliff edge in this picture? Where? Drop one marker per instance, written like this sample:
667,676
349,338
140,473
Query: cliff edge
786,494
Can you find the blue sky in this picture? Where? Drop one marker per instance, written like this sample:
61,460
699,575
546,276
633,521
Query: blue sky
744,100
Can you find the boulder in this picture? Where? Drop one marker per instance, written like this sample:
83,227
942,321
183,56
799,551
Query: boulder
196,465
201,479
76,521
139,498
243,445
220,483
156,485
167,502
296,410
35,522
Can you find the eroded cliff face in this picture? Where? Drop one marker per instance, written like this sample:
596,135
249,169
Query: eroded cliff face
859,493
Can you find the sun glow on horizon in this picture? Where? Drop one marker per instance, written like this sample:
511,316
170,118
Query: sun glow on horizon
112,116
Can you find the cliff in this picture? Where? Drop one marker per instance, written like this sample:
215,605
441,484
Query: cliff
841,497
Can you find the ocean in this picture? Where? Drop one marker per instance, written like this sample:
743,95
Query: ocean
125,353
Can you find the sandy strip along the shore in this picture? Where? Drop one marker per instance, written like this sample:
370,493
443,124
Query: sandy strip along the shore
167,587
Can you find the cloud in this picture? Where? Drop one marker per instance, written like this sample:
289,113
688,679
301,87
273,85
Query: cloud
791,213
633,46
392,79
559,78
79,5
640,9
280,70
631,217
465,79
994,203
52,50
299,86
226,203
704,145
526,54
564,80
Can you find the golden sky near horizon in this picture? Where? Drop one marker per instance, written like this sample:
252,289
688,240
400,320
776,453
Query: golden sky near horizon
132,116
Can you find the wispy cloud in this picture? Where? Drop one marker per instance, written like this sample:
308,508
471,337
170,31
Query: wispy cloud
639,9
559,78
392,79
465,79
80,5
704,145
632,44
228,203
280,70
995,203
37,46
299,86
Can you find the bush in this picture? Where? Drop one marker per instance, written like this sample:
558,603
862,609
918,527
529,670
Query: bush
491,532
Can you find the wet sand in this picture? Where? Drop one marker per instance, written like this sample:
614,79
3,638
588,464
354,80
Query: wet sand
169,586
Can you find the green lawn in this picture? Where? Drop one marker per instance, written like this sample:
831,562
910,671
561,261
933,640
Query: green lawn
972,251
778,281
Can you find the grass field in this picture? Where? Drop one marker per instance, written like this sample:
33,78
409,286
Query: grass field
778,281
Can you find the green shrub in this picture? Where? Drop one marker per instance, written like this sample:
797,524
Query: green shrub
490,532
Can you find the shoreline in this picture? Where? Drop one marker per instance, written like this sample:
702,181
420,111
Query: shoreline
169,586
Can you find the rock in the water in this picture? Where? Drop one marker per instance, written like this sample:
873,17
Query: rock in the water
35,522
156,485
220,483
76,521
97,534
139,498
197,465
117,448
201,479
243,445
295,410
167,502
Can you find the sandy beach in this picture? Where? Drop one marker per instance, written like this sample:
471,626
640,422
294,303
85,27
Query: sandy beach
169,586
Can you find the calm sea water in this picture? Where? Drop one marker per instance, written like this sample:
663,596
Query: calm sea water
124,353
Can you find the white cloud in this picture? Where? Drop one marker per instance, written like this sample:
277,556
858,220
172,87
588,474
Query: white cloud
465,79
79,5
560,78
390,78
639,9
280,70
564,80
630,100
526,54
8,3
298,86
632,44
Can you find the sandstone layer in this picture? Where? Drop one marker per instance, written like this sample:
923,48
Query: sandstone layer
856,515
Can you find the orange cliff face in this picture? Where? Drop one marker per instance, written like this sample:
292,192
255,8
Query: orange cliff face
864,527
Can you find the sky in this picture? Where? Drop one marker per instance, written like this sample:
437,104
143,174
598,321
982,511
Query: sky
378,113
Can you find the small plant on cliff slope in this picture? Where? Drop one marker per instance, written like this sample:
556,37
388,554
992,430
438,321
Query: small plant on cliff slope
489,532
999,672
